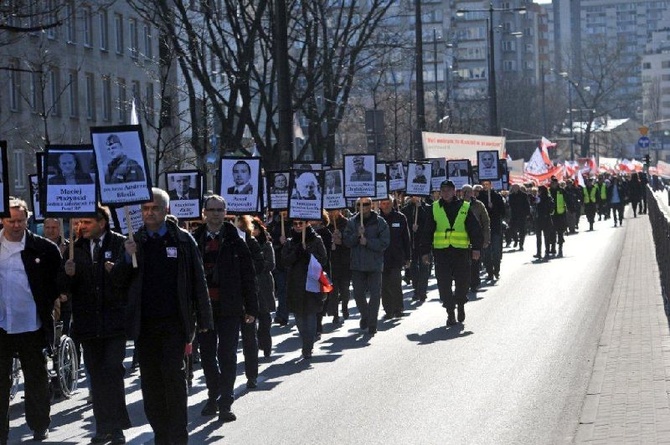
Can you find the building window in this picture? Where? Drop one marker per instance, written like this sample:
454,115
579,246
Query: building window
106,99
34,91
148,42
149,104
52,18
104,31
122,102
132,31
118,33
70,23
90,97
136,90
14,88
509,65
73,94
88,27
19,169
54,91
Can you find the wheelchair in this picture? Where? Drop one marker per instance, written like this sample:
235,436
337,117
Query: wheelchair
62,364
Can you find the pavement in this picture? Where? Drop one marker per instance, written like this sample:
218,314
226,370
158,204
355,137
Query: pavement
627,398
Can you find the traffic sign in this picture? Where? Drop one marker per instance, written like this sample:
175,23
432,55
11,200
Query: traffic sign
643,142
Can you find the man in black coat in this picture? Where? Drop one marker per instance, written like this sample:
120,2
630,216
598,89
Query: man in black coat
26,326
166,295
495,206
395,259
417,214
99,309
231,284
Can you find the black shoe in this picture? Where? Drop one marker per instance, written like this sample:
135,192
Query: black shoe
280,321
40,435
398,314
252,384
345,313
101,438
372,330
336,319
118,438
210,408
267,352
388,316
451,320
227,416
363,323
306,354
461,313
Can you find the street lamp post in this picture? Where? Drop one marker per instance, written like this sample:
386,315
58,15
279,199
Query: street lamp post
493,94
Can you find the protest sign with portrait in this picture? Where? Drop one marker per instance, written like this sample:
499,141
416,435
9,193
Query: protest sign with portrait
306,201
359,177
122,166
381,179
239,181
71,188
184,188
396,176
35,199
279,189
487,165
438,172
458,171
333,192
419,179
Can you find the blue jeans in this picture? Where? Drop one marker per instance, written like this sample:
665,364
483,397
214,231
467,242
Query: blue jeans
371,282
306,324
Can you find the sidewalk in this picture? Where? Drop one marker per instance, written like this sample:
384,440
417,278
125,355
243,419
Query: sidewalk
627,398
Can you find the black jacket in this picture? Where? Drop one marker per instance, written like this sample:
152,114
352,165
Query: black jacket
234,272
519,206
296,258
192,292
496,208
399,251
98,307
41,261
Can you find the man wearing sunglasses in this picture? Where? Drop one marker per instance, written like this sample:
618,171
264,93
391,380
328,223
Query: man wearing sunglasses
230,274
368,236
454,235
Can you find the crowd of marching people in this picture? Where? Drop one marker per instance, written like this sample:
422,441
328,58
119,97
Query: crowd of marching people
190,292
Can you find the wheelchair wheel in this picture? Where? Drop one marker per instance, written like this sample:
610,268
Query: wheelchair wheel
67,366
16,378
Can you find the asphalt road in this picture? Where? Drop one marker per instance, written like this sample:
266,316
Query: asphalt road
515,373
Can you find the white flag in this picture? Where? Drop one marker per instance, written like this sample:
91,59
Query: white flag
134,120
536,164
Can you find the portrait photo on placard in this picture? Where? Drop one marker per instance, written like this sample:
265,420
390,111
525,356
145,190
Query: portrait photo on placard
487,165
4,177
381,179
396,175
458,171
184,188
239,179
278,182
419,179
333,192
306,201
438,172
35,202
359,176
70,185
122,166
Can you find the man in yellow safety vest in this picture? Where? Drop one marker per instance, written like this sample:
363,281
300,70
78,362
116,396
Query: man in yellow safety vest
454,235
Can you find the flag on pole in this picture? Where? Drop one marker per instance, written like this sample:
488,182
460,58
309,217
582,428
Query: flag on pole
536,164
546,143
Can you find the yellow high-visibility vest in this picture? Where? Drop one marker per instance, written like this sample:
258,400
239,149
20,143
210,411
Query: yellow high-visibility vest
447,236
560,203
590,196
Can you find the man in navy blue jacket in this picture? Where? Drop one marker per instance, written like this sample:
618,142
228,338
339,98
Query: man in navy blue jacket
395,259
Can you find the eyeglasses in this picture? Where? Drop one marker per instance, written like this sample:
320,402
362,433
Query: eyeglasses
216,210
365,204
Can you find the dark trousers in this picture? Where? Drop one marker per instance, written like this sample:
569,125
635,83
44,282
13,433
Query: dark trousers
617,212
104,361
340,293
29,347
559,224
370,282
492,255
218,357
518,227
392,290
160,349
420,274
264,336
452,266
539,233
250,350
280,293
590,212
475,268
